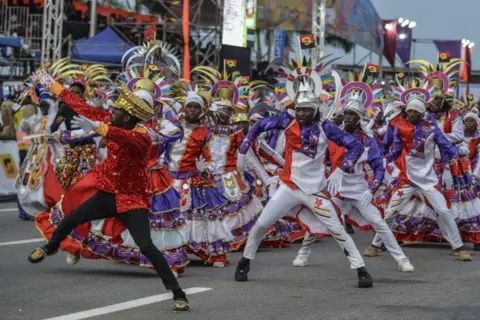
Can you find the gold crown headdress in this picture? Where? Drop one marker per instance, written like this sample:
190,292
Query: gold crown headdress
132,104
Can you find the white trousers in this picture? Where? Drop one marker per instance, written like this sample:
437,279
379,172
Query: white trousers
370,213
437,200
322,209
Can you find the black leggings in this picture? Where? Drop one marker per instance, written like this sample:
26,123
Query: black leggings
103,205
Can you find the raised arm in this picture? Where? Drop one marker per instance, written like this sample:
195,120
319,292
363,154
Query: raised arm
353,148
79,105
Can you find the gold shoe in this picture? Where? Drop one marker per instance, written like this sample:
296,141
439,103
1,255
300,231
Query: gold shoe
181,305
371,251
463,255
37,255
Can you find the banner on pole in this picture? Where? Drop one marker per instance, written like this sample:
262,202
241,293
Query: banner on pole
280,42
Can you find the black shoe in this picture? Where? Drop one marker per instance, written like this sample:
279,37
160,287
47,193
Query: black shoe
364,278
243,267
181,301
349,228
39,254
476,247
181,305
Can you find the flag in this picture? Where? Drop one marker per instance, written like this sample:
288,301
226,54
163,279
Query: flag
443,57
150,32
307,41
371,70
390,40
404,44
467,65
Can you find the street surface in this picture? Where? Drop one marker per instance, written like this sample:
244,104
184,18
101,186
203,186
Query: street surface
440,288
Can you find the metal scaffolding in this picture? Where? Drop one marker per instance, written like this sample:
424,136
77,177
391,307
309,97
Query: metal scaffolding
204,32
52,31
318,28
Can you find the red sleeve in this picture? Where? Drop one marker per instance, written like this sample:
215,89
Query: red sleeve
132,139
336,155
206,152
81,107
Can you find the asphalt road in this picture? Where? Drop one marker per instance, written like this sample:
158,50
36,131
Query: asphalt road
440,288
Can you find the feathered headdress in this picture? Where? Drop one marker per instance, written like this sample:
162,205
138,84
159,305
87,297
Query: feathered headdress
361,92
443,76
224,86
262,100
154,53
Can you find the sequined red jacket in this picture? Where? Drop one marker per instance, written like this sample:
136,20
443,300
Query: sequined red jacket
124,170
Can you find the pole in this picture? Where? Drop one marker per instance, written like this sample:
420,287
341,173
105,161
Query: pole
93,18
380,62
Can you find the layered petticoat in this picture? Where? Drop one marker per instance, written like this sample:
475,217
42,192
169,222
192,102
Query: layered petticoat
202,206
416,221
168,226
243,207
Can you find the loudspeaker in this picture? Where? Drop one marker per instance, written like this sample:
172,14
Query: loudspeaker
242,57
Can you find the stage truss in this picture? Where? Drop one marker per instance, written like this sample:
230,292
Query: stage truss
52,31
318,28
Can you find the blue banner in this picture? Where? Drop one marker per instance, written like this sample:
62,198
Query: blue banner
280,42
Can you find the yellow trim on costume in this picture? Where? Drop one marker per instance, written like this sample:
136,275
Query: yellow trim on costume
57,88
102,129
338,236
140,129
322,212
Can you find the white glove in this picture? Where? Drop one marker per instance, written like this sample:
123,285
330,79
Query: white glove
463,151
385,163
201,164
366,197
335,181
241,161
84,123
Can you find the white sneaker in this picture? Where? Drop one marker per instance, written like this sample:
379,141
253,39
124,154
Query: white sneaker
404,265
72,259
301,260
219,264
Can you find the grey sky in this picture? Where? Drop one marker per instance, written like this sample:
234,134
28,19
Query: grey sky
436,19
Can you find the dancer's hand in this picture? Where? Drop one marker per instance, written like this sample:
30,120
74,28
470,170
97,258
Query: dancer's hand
366,197
335,182
84,123
201,164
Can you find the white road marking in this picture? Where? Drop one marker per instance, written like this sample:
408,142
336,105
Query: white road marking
9,210
21,241
124,305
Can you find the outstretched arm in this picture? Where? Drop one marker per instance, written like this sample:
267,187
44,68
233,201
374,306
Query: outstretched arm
279,122
79,105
